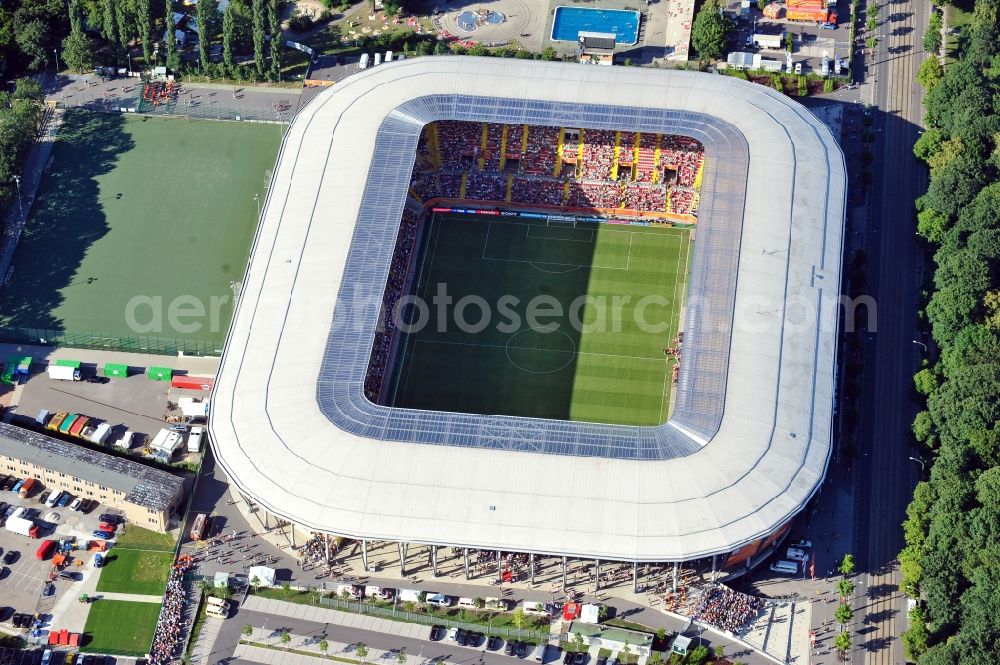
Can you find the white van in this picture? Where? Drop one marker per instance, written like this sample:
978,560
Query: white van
468,603
785,567
53,499
533,607
409,595
539,655
125,442
388,56
217,607
794,554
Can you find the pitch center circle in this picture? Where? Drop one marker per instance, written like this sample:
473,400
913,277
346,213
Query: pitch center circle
536,352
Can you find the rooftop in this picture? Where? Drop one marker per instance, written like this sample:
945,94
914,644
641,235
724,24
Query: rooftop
142,485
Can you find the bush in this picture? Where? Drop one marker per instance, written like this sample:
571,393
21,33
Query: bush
300,23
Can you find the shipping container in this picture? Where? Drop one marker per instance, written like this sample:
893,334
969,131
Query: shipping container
159,373
27,487
45,549
66,424
62,373
78,425
188,382
115,370
57,421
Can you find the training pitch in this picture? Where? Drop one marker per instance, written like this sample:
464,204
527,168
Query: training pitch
139,218
580,317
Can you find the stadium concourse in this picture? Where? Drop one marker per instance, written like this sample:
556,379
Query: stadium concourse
748,442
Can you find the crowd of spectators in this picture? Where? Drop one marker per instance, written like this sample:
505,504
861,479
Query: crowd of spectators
598,154
171,625
382,343
729,610
486,186
461,146
316,548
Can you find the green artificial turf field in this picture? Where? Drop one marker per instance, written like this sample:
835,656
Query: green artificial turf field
120,627
619,289
136,219
142,572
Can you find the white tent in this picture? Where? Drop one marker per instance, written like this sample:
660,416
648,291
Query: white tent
264,576
590,613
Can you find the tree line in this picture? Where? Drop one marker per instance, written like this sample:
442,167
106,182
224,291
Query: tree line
20,117
40,35
951,559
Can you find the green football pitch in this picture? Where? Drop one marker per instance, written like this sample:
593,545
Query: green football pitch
579,320
139,228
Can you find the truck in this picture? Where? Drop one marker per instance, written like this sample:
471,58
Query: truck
194,439
22,526
813,14
27,487
769,41
61,373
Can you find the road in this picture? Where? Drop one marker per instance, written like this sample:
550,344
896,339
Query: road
891,357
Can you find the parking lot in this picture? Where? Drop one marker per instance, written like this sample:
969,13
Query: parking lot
22,585
810,42
34,657
134,403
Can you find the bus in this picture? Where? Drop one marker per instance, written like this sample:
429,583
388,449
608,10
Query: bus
198,527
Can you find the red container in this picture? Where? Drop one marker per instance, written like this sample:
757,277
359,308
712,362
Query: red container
54,637
192,382
74,639
63,636
45,549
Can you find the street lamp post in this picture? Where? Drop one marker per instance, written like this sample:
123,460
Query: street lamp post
55,63
256,198
20,209
919,343
918,461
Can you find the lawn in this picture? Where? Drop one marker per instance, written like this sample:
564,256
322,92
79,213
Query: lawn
617,291
140,227
135,571
137,538
119,627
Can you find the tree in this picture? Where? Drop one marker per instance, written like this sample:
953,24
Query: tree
247,630
789,42
931,225
720,651
549,53
277,41
33,41
846,566
845,587
255,582
843,613
710,31
173,57
78,52
842,642
259,14
362,651
932,38
144,28
697,655
518,618
401,656
208,19
930,73
925,381
229,38
323,645
285,638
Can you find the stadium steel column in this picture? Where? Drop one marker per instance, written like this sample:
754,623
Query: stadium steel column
434,560
364,554
564,573
466,563
675,576
326,543
531,565
597,575
499,567
635,577
402,559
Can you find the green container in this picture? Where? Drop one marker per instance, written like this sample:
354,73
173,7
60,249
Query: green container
115,370
159,373
75,364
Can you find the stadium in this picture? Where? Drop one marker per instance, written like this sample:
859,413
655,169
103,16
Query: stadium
309,421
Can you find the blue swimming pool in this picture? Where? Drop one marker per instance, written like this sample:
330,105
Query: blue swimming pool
569,22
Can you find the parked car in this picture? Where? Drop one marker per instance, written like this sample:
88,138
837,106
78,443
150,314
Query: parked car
11,556
602,660
49,589
438,599
75,506
437,633
88,505
110,518
521,649
802,544
508,649
17,486
453,634
104,535
475,638
53,499
494,643
579,658
462,638
64,500
44,496
567,658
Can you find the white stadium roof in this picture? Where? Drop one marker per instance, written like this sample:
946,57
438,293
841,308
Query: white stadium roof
750,436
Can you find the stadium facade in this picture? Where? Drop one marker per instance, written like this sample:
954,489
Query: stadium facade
749,439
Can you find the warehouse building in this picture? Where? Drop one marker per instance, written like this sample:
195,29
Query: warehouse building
146,496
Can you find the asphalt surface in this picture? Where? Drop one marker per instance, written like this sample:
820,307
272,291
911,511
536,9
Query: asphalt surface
887,476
